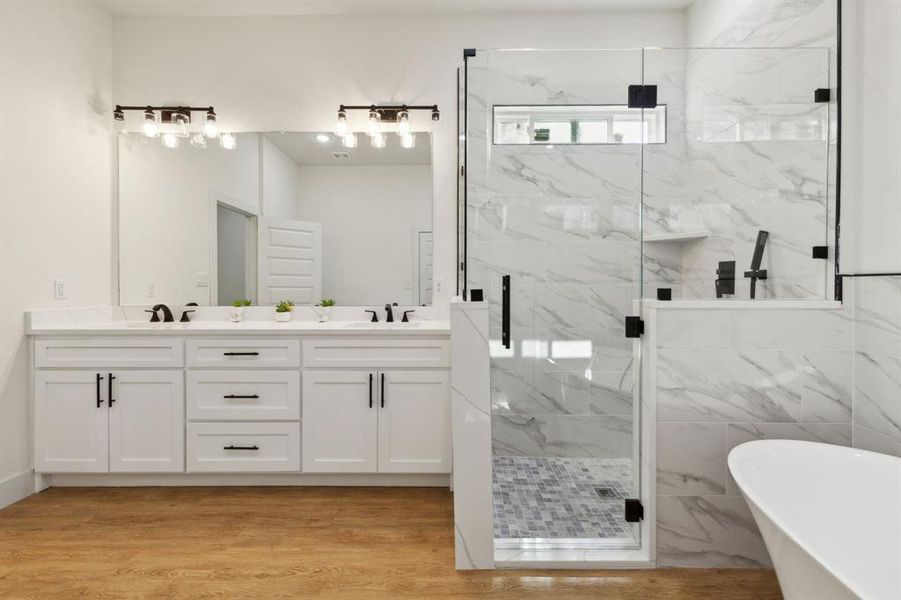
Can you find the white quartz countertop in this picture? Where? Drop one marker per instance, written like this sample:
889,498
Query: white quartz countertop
357,328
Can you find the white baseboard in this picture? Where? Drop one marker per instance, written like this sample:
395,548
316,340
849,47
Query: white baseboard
16,487
246,479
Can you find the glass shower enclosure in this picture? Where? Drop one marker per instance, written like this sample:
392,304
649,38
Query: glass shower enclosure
589,179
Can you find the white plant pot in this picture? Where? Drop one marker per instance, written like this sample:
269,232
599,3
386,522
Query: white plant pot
235,313
283,317
322,313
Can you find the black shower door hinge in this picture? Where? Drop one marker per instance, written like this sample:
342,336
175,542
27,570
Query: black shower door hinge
642,96
634,327
634,510
820,252
822,95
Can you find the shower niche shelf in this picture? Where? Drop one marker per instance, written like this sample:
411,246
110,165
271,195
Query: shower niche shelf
679,236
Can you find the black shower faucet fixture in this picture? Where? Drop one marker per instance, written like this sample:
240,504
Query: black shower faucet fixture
756,272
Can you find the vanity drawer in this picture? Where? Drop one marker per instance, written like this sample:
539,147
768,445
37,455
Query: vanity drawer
254,394
243,447
109,352
244,353
371,353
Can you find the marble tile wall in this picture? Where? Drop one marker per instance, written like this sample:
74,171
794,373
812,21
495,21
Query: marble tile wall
724,377
877,363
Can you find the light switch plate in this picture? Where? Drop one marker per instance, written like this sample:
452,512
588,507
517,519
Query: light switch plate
59,289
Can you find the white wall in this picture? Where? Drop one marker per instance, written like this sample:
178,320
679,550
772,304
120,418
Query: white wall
367,216
281,182
55,189
271,74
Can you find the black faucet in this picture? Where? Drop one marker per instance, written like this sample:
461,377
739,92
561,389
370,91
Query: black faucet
390,318
167,314
184,314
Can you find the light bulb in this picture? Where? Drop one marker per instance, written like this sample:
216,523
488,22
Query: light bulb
341,124
378,140
119,120
151,127
435,114
375,123
180,125
170,140
198,140
210,128
408,141
403,123
349,140
321,137
228,141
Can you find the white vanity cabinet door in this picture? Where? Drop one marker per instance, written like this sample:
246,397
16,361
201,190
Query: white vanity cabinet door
414,422
340,422
147,422
70,429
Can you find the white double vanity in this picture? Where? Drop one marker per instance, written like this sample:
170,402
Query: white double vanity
365,402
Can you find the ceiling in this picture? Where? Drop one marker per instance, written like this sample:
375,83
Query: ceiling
247,8
306,150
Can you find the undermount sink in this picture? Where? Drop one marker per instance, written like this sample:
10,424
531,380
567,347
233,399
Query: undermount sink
371,325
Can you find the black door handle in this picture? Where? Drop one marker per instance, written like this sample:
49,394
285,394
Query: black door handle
383,390
254,447
505,311
370,390
237,396
99,401
109,383
240,354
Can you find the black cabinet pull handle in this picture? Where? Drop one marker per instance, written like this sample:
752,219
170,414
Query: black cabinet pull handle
254,447
370,390
110,401
99,400
505,311
383,390
237,396
240,354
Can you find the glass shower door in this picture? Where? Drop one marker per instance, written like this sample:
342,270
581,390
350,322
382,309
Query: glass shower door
553,194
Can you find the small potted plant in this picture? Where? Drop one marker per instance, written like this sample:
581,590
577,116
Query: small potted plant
323,310
283,311
236,310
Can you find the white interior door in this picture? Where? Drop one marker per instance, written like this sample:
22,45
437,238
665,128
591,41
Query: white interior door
147,421
70,427
414,422
339,422
290,261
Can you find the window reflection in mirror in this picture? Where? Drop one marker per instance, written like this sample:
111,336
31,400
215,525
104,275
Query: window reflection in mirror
283,216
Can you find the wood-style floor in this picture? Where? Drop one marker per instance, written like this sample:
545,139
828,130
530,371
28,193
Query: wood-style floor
273,543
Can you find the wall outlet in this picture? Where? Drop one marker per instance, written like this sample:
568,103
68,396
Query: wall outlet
59,289
439,286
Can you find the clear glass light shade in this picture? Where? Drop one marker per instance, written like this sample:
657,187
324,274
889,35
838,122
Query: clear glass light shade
379,140
170,140
375,123
210,127
403,123
349,140
119,123
180,125
151,128
198,140
408,141
341,128
228,141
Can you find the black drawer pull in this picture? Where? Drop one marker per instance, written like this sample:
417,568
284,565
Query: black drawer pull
240,354
236,396
383,390
99,400
241,447
110,400
370,390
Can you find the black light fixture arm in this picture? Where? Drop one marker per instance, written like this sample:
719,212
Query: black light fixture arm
120,108
383,107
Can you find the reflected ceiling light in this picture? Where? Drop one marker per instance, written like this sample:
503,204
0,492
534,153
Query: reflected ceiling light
341,125
349,140
198,140
210,128
170,140
379,114
151,127
180,122
321,137
378,140
228,141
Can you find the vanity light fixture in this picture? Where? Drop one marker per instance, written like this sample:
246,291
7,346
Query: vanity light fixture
174,123
380,120
228,141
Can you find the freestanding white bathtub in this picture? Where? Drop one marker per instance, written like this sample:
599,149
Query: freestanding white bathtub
830,517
